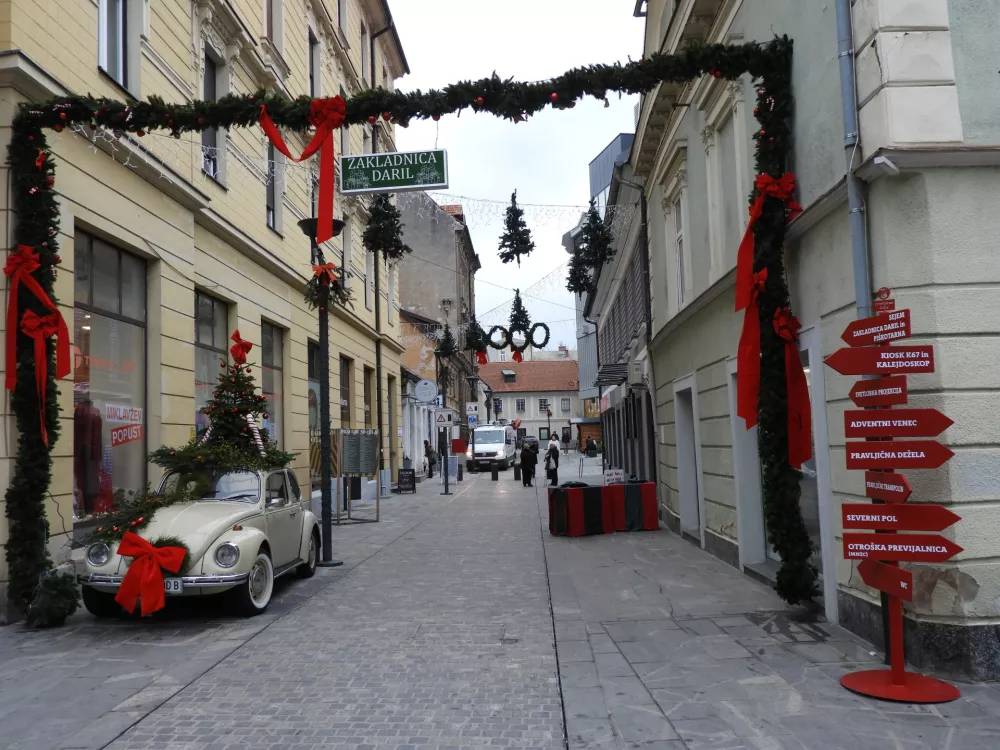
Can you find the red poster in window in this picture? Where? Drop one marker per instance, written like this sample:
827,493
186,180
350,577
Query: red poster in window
127,434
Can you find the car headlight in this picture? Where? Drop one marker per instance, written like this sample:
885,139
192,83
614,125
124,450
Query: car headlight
468,453
226,555
98,554
500,454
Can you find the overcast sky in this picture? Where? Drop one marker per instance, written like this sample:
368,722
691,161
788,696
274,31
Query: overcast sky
545,159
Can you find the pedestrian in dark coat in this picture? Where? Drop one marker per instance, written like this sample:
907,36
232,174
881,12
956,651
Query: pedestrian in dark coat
552,461
529,459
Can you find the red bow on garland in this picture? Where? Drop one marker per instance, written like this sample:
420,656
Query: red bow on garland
767,187
20,265
240,349
325,273
481,358
799,416
518,357
144,579
41,329
748,354
326,115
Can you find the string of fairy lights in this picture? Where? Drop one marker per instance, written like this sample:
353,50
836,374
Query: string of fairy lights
169,157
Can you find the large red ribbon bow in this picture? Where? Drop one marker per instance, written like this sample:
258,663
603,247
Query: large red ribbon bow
144,579
767,187
326,273
799,415
20,265
240,349
517,357
41,329
748,354
326,115
481,358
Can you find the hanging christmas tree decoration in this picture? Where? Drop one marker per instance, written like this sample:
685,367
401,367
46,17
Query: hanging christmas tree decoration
384,230
596,247
476,340
516,238
447,346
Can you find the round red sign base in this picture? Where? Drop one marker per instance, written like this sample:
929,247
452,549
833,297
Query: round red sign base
916,688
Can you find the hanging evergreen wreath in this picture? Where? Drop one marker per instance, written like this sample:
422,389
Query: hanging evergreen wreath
32,177
531,336
326,287
503,343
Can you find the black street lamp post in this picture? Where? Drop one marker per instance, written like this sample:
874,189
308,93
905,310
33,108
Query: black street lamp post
308,227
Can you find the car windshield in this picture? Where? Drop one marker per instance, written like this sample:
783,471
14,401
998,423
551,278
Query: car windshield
241,486
489,436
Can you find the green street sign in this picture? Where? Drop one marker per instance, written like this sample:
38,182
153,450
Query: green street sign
394,173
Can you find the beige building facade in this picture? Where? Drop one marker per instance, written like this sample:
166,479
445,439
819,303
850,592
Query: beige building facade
168,245
929,160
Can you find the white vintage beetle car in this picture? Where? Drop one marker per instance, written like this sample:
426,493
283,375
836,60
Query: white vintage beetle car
247,529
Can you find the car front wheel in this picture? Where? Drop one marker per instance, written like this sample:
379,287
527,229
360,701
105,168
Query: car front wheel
254,594
101,603
308,568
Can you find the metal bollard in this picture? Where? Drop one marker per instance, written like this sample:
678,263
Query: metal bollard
494,471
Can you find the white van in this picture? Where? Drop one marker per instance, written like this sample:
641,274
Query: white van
493,442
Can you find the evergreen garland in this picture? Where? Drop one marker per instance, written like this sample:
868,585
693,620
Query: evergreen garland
516,238
384,231
32,181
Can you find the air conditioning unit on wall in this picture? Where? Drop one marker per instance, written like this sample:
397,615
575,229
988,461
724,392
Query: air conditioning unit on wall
636,377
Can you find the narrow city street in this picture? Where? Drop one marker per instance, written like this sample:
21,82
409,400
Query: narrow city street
458,622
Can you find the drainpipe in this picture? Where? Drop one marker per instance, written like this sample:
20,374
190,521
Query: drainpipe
852,144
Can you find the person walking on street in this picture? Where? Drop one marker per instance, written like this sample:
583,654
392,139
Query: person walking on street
552,461
529,459
565,443
429,455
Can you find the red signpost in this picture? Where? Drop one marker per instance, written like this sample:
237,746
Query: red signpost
882,360
895,423
887,487
891,490
887,391
878,330
888,578
897,517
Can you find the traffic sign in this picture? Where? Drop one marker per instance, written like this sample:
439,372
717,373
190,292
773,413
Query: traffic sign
878,330
472,420
895,423
906,454
471,407
888,578
888,391
897,517
882,360
446,417
905,547
883,485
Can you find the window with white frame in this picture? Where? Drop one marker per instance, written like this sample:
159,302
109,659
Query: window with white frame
210,136
502,356
497,406
727,152
365,62
391,284
543,405
315,65
369,279
342,14
272,358
519,404
113,39
345,134
564,404
677,212
274,189
346,250
274,22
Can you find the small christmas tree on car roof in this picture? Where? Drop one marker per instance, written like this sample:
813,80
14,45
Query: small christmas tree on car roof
232,441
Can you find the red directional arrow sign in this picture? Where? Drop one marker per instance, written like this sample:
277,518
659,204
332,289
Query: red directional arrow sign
897,517
878,330
882,360
888,578
888,391
895,423
903,547
882,485
906,454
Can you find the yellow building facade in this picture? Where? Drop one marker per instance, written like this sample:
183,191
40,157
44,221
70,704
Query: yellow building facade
169,244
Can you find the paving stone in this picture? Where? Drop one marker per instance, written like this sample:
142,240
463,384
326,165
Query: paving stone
626,691
579,674
642,724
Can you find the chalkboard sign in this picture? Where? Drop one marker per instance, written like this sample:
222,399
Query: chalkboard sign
407,481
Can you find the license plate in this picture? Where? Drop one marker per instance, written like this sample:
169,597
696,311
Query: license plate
173,585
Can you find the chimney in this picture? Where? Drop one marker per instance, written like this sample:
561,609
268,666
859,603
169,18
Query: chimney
563,352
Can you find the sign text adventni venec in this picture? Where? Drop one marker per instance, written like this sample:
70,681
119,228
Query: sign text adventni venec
394,172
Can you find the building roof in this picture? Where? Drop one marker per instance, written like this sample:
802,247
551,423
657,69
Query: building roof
455,209
538,376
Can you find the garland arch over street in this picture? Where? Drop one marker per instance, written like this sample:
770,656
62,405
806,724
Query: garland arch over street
33,184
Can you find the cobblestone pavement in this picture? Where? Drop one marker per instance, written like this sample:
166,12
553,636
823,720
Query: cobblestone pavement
438,633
